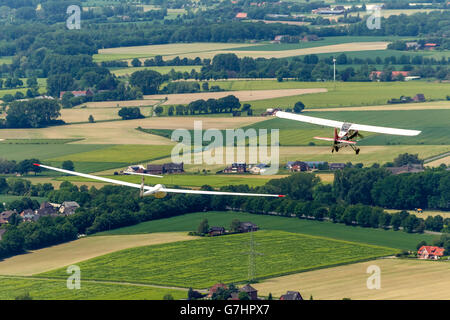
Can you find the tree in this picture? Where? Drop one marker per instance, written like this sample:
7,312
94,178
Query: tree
203,227
127,113
168,296
59,82
170,111
68,165
298,107
146,80
243,296
270,296
91,119
136,62
25,296
159,110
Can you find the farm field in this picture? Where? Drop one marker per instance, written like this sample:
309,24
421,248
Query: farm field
437,163
118,104
120,153
196,49
345,47
426,213
190,222
185,98
68,253
46,289
398,281
209,260
5,198
434,105
77,115
190,180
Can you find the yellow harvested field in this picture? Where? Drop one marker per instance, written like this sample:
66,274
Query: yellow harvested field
437,163
82,114
345,47
249,95
425,213
436,105
399,280
120,104
172,49
124,132
58,256
295,23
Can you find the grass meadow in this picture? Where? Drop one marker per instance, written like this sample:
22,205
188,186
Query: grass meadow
201,263
47,289
190,222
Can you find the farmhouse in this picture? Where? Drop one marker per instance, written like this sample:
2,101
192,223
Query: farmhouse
420,97
241,15
215,288
83,93
297,166
237,167
374,75
337,166
216,231
47,209
164,168
68,207
291,295
248,227
29,215
258,168
135,169
252,292
430,252
314,165
406,168
5,216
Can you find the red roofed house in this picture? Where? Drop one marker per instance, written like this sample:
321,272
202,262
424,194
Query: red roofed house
82,93
430,252
394,74
430,46
241,15
215,287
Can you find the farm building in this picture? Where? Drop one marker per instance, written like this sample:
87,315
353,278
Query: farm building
29,215
241,15
336,166
68,207
420,97
135,169
165,168
252,292
409,168
291,295
248,227
47,209
215,288
216,231
430,252
297,166
82,93
257,168
238,167
5,216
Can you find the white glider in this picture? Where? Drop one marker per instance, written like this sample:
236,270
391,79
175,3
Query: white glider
158,190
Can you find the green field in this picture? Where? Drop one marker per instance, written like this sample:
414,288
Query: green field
188,180
118,153
5,198
44,151
45,289
346,94
6,60
434,125
190,222
201,263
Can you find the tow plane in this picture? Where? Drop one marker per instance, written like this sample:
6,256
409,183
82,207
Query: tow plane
348,132
159,190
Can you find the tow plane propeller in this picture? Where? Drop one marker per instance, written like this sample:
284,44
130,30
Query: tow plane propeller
159,190
347,131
